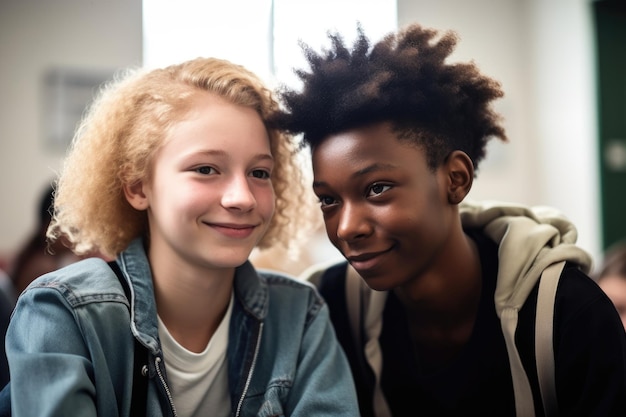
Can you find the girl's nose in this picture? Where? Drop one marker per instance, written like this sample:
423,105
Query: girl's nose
238,195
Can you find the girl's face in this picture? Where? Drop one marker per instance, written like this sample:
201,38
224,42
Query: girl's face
384,209
210,198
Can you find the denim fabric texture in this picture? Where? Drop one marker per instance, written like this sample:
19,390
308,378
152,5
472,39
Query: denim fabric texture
71,340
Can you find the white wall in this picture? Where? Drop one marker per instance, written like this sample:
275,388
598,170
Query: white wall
564,113
36,35
541,52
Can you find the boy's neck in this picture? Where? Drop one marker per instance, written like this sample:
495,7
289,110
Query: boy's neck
441,322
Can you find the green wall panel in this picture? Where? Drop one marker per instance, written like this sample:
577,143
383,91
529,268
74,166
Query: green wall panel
610,42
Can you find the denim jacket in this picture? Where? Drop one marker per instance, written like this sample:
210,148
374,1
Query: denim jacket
70,345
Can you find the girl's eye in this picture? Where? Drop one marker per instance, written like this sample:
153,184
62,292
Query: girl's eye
205,170
377,189
326,201
261,173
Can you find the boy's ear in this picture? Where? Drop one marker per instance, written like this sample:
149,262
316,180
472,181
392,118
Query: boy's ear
460,170
135,195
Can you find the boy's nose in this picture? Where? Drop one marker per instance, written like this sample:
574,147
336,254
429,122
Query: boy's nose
352,224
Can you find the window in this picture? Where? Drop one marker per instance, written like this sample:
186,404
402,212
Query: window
262,35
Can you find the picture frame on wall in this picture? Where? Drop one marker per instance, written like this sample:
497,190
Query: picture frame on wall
67,92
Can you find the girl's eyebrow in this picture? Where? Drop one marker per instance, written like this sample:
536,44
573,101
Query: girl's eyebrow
206,152
378,166
223,154
264,156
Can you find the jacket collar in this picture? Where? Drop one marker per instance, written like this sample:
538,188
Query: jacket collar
250,289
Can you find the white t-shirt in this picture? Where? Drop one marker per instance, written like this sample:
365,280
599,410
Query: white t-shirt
199,381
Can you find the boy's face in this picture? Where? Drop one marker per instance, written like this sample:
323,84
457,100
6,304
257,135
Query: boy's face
385,210
211,199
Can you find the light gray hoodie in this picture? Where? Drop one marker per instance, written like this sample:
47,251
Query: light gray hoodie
531,241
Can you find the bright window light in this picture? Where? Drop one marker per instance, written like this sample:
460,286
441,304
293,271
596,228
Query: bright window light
237,30
262,35
310,21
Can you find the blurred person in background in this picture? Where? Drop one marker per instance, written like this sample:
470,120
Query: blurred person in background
611,277
33,259
36,257
7,302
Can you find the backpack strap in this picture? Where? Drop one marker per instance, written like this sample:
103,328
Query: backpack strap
365,310
544,346
354,301
140,381
524,404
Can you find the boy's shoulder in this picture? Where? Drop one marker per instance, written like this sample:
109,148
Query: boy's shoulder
324,271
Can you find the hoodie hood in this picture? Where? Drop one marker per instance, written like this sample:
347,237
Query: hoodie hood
529,240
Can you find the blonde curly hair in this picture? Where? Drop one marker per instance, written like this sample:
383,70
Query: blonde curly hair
125,127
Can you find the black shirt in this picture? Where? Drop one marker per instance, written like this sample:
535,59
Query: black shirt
589,344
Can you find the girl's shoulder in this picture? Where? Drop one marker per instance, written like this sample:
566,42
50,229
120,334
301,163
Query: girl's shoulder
285,290
81,281
277,278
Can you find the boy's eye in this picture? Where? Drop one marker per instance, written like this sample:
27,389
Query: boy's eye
261,173
377,189
205,170
326,201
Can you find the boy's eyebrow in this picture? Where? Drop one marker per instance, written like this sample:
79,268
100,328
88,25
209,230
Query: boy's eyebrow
378,166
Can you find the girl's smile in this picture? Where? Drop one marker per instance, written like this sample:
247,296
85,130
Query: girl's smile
235,231
210,198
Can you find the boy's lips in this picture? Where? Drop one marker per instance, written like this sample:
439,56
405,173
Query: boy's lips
366,260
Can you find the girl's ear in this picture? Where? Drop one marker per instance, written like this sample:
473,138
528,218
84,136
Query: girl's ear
460,170
136,196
